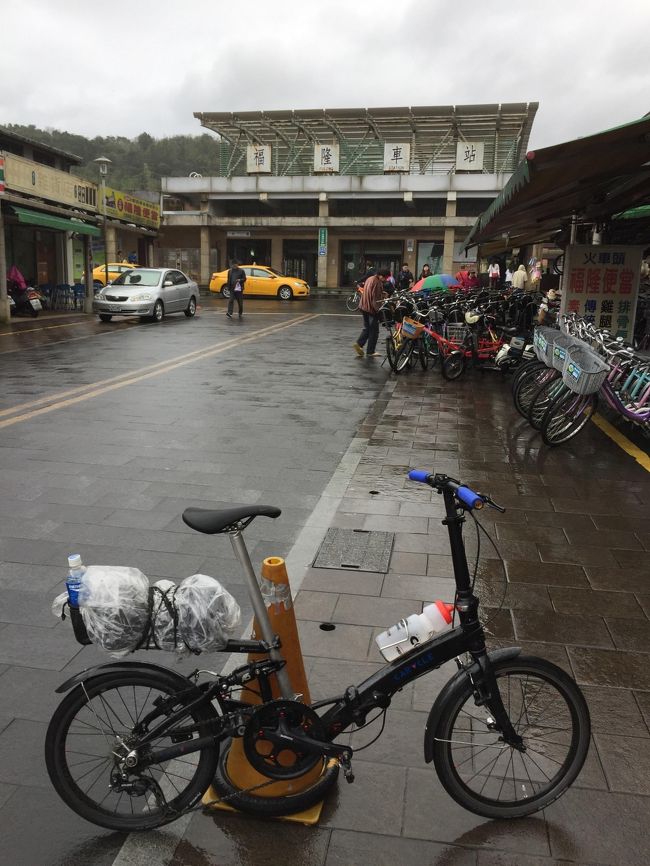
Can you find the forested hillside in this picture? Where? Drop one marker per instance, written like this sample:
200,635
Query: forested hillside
139,163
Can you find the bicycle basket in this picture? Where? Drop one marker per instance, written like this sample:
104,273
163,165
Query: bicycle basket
411,328
543,344
584,371
561,345
456,333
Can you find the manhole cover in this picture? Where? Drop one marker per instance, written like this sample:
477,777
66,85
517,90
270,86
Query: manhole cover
355,548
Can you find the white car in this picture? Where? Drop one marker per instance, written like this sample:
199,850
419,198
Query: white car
150,293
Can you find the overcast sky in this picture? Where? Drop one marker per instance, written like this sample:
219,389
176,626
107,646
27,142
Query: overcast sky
128,66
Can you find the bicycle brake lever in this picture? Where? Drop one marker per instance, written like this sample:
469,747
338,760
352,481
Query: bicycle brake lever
492,503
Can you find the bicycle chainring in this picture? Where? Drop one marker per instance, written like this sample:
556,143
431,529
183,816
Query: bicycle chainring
269,741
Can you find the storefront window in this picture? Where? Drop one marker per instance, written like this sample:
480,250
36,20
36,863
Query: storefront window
430,253
356,256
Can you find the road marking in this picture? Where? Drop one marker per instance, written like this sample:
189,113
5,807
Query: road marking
77,395
641,457
36,330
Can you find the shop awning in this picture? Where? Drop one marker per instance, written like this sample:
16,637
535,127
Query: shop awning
49,221
593,177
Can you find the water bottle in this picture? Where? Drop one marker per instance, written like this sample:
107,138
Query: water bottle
76,571
409,633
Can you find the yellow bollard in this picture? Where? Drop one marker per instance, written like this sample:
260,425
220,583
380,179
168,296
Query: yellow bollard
277,597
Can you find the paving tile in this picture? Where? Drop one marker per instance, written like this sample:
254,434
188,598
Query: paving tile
592,774
644,601
347,848
32,647
315,605
615,710
551,651
626,762
343,580
569,553
545,573
408,563
427,687
630,634
370,506
561,628
619,579
21,759
431,814
27,607
433,542
216,838
30,693
604,538
345,642
368,610
374,802
516,596
505,858
643,700
599,827
530,532
595,602
562,520
418,588
614,668
632,558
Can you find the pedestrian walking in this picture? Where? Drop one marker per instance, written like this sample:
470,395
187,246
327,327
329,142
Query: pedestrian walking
494,274
235,282
371,297
520,278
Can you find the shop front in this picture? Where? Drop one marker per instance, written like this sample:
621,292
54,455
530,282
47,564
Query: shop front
358,255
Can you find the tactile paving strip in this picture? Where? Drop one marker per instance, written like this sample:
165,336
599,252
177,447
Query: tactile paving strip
355,548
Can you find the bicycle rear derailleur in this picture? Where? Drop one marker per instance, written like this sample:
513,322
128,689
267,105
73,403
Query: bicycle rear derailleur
285,739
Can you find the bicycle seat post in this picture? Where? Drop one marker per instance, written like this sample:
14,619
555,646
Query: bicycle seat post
259,609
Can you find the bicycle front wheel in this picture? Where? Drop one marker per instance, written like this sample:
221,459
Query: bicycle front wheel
566,418
486,775
98,723
352,302
403,356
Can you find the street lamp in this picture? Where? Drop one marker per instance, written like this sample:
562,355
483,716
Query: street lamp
103,162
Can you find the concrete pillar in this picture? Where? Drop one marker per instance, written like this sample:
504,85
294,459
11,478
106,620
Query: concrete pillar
323,206
204,266
276,253
4,298
90,292
111,244
448,251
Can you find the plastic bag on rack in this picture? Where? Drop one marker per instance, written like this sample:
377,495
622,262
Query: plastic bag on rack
114,604
207,613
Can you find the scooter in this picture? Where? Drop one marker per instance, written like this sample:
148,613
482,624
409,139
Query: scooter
23,304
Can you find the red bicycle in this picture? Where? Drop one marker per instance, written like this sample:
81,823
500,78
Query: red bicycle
477,341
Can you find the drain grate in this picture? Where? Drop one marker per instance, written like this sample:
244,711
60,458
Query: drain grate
355,548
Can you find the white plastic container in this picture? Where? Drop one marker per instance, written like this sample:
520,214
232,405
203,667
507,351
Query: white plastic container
409,633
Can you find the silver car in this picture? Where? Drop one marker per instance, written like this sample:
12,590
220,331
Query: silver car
149,293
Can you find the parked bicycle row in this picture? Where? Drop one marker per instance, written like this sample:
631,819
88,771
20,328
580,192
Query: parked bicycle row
574,368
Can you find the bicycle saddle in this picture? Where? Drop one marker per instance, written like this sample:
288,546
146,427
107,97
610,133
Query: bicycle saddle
211,521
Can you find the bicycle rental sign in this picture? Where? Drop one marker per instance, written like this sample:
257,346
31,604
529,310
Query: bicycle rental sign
601,284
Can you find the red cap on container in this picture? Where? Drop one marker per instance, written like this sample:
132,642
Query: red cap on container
445,609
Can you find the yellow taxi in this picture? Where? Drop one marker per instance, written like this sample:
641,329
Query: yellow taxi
262,281
114,271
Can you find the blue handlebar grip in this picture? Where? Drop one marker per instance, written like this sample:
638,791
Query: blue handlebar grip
419,475
468,497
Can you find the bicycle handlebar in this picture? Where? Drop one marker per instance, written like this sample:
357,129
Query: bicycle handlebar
469,498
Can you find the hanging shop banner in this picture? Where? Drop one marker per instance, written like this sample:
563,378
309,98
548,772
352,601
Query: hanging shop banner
469,155
326,158
601,284
23,175
2,174
122,206
397,156
258,159
322,242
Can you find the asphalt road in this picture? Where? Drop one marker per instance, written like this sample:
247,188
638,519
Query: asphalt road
107,432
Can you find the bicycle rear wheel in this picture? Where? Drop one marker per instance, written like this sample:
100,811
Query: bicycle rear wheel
453,366
545,396
566,417
98,723
491,778
528,385
403,356
352,301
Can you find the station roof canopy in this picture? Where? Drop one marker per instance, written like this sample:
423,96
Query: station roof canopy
432,131
595,178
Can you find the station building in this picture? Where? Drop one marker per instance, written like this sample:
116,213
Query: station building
319,193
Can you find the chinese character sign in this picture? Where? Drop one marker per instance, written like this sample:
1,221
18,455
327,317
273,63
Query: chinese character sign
397,157
469,155
258,159
326,157
601,284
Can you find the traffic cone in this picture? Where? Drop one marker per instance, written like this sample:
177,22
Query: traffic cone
277,597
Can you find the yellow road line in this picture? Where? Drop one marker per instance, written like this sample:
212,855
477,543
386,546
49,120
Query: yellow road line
68,398
622,441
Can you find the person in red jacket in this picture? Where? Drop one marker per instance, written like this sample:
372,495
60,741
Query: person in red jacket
371,299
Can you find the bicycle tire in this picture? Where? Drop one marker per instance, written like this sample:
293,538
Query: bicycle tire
453,366
544,398
352,302
403,355
524,369
566,418
433,349
528,386
561,695
423,354
96,724
287,804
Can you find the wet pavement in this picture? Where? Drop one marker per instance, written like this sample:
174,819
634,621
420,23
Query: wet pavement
189,414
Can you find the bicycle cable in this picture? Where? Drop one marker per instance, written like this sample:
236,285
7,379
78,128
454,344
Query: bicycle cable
503,566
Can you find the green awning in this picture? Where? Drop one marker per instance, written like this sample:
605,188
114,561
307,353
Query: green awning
49,221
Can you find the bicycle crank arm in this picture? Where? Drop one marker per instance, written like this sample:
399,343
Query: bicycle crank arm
307,744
